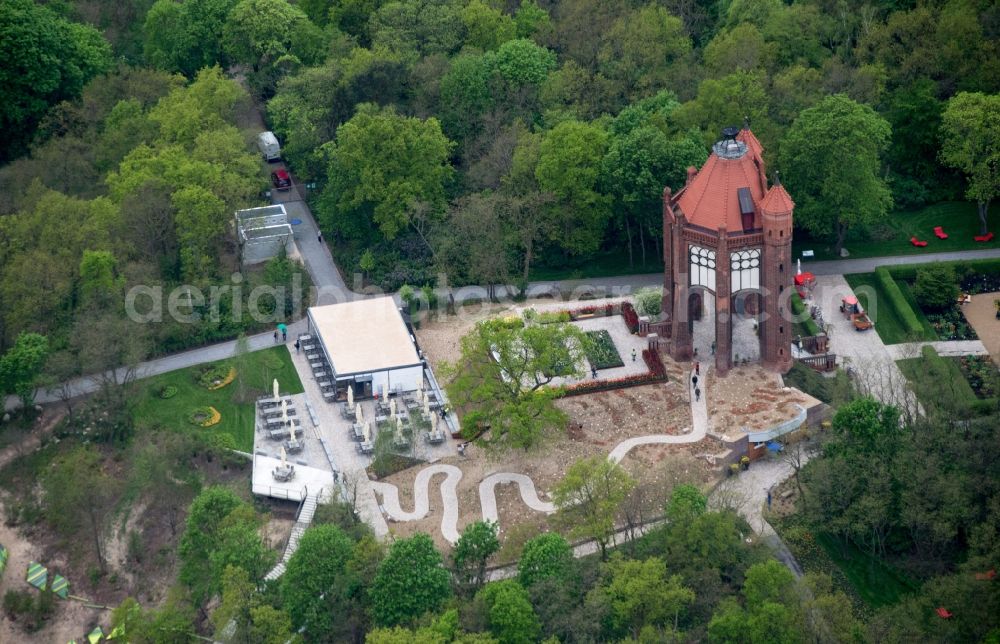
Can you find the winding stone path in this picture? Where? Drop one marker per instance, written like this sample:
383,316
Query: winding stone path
421,501
529,494
488,497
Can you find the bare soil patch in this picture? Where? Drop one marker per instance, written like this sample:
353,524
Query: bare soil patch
598,422
750,397
981,314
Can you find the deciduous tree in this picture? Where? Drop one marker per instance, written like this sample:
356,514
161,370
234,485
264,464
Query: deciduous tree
589,498
410,582
831,162
381,164
21,366
473,551
509,613
547,556
501,381
970,129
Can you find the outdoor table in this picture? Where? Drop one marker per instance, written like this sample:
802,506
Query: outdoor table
305,336
319,373
293,448
435,437
381,418
365,448
412,404
330,395
283,473
358,431
309,347
277,434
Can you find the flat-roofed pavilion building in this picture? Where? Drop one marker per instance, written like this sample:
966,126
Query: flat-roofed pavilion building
368,345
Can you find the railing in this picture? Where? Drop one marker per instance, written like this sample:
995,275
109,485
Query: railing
825,362
780,429
280,492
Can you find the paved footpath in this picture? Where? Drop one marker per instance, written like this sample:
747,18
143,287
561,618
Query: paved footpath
328,279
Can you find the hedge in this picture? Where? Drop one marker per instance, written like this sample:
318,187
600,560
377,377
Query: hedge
898,302
799,311
908,272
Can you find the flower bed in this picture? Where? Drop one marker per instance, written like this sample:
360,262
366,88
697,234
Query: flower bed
594,386
631,317
569,315
601,351
215,376
950,324
981,374
652,359
204,416
231,376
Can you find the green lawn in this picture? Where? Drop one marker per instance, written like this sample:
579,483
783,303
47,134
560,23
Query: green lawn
237,418
875,582
958,218
887,323
938,382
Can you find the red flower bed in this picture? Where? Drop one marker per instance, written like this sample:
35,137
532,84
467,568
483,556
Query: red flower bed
631,317
652,359
593,386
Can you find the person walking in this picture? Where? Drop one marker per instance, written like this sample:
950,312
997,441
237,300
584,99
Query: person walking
319,237
284,335
276,335
697,394
633,355
713,347
297,345
697,368
694,381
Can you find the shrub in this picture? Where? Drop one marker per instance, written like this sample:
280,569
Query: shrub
553,317
204,416
167,391
230,376
936,286
649,301
209,376
897,301
799,311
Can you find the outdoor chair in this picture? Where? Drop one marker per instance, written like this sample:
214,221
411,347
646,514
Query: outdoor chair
984,238
939,232
918,243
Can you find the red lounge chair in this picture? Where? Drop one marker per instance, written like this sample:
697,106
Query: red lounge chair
939,232
916,242
986,576
984,238
943,613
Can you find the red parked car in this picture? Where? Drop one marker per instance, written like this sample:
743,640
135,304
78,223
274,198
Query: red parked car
281,179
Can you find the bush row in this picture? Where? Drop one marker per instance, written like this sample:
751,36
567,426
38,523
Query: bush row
894,298
908,272
799,311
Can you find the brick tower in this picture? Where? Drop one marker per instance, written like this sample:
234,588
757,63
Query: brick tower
727,274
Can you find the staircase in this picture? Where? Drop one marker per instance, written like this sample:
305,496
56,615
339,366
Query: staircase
302,522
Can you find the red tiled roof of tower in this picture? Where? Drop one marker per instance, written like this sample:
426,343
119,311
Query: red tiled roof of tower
748,137
710,200
777,200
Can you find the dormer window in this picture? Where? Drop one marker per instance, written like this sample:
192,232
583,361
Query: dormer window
746,208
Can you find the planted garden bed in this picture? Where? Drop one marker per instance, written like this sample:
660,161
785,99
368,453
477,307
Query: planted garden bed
980,373
601,351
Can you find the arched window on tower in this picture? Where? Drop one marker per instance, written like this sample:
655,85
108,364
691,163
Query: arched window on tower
745,265
702,267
